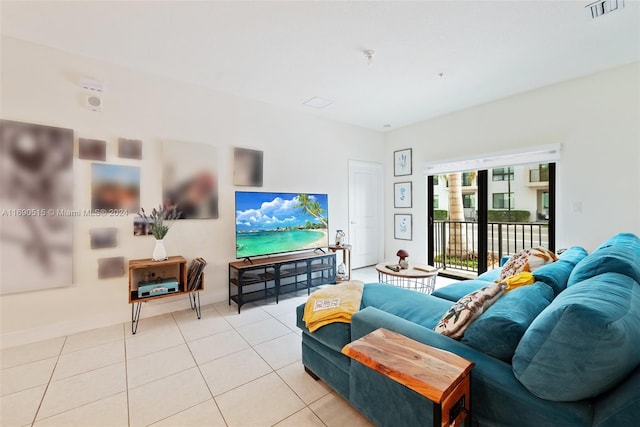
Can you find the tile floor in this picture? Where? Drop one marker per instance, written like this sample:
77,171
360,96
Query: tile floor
222,370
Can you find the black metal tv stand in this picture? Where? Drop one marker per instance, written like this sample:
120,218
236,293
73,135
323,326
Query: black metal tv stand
271,277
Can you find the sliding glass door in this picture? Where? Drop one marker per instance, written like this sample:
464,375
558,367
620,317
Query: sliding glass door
477,217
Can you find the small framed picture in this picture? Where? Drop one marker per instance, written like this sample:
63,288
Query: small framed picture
402,194
130,148
402,226
402,162
105,237
110,267
92,149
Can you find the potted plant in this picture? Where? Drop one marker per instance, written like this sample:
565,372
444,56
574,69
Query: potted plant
159,221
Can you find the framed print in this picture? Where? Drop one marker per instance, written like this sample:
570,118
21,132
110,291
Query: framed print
36,176
247,167
402,162
115,187
105,237
190,179
92,149
402,194
130,148
402,226
111,267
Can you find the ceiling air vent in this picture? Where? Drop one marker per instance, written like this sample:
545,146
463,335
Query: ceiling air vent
602,7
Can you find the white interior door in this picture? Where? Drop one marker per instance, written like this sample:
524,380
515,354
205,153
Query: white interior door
365,213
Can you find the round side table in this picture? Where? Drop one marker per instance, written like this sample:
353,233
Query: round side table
421,278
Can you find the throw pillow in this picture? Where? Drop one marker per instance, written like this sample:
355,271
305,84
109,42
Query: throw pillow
527,260
456,320
584,343
498,331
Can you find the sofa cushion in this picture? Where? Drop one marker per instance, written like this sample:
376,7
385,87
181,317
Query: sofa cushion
627,240
455,291
616,259
527,260
497,331
585,342
557,274
490,275
468,308
416,307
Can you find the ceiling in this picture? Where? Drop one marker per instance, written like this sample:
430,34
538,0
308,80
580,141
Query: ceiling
284,53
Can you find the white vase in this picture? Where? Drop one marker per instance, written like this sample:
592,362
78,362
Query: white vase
159,252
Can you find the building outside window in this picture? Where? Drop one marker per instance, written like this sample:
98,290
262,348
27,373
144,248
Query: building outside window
467,179
502,174
503,201
541,174
469,200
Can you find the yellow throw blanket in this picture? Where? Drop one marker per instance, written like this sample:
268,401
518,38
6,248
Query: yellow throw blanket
521,279
333,304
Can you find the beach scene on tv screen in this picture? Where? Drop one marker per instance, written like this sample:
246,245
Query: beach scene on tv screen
268,223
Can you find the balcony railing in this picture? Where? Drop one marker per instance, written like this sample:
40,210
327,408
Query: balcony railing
538,175
456,242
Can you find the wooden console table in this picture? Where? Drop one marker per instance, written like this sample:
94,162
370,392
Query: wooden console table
144,270
440,376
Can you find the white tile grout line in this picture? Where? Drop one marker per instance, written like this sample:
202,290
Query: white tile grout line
200,370
234,328
126,373
35,416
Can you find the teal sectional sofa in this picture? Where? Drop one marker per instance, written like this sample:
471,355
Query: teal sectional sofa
564,351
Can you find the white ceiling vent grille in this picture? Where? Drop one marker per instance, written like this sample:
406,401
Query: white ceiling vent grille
602,7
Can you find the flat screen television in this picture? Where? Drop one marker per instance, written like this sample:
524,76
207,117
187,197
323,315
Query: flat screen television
271,223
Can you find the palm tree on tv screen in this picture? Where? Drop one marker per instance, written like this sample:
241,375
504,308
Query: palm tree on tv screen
312,208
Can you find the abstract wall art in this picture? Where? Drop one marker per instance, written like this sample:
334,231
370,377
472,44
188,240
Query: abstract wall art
247,167
115,187
106,237
190,179
129,148
92,149
36,200
110,267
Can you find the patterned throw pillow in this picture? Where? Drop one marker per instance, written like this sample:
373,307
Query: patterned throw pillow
527,260
467,309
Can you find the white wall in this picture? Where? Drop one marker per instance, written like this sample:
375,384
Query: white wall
595,118
301,153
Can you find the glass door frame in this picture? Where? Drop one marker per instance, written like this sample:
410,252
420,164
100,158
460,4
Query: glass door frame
482,218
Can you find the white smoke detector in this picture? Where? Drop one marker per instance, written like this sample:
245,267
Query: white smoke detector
94,102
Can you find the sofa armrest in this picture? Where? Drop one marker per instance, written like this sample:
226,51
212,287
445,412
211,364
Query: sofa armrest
497,397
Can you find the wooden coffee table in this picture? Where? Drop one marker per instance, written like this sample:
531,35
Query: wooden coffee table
421,278
438,375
